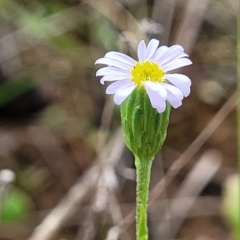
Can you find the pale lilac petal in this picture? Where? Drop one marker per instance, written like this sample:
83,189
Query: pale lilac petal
155,99
175,102
111,70
157,87
174,90
175,50
178,63
172,57
174,96
112,88
123,92
181,77
171,53
151,48
162,107
113,63
141,51
183,87
158,54
121,58
181,81
109,79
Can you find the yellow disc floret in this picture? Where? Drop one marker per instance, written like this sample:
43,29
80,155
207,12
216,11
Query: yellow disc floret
147,71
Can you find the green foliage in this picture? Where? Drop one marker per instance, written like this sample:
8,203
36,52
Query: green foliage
16,206
37,26
231,204
32,179
104,31
13,88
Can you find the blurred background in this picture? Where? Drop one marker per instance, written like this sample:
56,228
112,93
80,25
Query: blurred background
65,172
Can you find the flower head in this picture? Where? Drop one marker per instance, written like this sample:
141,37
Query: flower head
149,72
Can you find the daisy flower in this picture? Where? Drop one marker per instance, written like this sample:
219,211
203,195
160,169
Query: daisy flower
150,72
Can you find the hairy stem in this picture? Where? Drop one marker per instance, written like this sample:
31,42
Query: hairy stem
143,168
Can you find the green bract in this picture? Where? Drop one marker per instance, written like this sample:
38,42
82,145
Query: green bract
144,128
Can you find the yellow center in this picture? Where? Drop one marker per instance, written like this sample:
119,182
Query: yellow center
147,71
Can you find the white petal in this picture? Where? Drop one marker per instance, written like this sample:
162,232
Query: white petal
155,99
176,64
111,89
121,58
157,87
115,74
174,96
123,92
114,63
111,79
181,81
114,77
158,54
141,51
151,48
111,70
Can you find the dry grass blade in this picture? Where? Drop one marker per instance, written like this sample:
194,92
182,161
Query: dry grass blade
163,14
118,15
190,25
105,123
48,228
193,184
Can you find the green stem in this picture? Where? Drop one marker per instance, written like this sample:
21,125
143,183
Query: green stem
143,168
237,230
238,73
